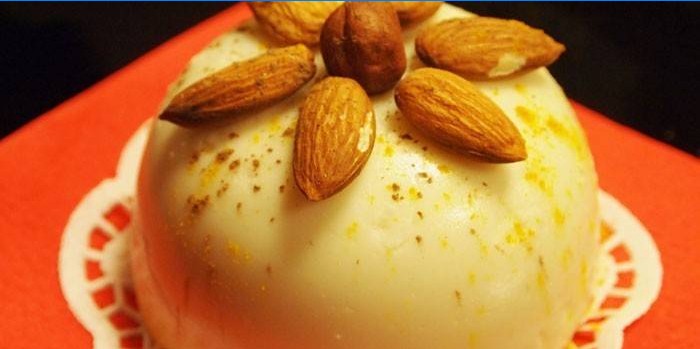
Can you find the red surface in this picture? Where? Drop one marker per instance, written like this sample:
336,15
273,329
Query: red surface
47,166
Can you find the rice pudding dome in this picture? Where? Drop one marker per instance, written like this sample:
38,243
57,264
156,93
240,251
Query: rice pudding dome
424,248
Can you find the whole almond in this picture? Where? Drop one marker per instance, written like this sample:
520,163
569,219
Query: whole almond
293,22
362,40
450,110
411,12
485,48
243,86
334,137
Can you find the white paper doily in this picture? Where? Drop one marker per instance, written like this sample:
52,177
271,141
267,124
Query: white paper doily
96,281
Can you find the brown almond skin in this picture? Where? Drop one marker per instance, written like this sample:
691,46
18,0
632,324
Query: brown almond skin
412,12
451,111
472,47
363,41
334,137
293,22
243,86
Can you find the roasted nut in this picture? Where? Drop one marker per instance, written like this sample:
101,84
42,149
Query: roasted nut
483,48
363,41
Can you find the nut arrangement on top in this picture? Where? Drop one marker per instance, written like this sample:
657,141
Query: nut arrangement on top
362,47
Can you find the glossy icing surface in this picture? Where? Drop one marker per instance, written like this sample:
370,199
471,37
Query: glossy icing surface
425,248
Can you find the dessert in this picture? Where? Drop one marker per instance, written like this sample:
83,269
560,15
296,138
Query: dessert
485,236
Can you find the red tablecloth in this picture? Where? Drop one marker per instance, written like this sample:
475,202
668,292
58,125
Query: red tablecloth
47,166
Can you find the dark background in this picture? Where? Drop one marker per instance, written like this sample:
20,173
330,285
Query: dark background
638,63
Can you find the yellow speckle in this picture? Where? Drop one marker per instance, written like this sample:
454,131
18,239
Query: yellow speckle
471,278
238,254
389,151
481,310
372,199
570,136
443,169
381,139
256,138
414,194
584,275
483,248
274,125
472,340
519,235
209,174
556,127
444,242
541,279
447,197
566,258
521,88
527,116
351,231
389,252
539,175
559,217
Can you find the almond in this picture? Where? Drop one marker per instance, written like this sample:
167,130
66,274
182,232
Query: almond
453,112
484,48
411,12
362,40
243,86
293,22
334,137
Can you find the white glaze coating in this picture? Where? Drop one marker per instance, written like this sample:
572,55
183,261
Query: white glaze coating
424,249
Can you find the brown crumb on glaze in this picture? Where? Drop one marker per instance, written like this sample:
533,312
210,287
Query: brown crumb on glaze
289,132
223,155
458,297
420,214
500,249
419,239
234,164
222,190
194,158
426,176
256,188
197,205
